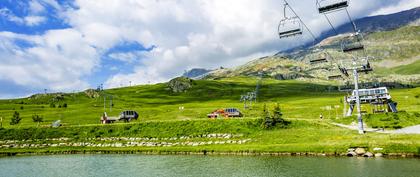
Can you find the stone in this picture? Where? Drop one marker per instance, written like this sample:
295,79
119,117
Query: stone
368,154
379,155
351,154
378,149
360,151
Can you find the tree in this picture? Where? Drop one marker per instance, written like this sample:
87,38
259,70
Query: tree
15,119
36,118
65,105
52,105
277,115
274,120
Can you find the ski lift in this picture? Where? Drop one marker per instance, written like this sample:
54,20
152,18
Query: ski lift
289,26
365,68
352,43
335,77
343,71
322,57
338,74
326,6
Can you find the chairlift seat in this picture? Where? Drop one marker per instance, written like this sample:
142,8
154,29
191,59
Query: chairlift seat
290,33
332,7
353,48
319,60
332,77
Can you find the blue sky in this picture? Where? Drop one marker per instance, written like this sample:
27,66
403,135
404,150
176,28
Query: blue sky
63,45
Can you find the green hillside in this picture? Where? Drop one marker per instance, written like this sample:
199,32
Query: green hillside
161,120
158,103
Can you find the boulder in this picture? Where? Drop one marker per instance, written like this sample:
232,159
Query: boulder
180,84
379,155
360,151
91,93
368,154
351,154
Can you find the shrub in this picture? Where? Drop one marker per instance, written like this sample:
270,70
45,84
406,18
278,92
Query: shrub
274,120
52,105
36,118
65,105
15,119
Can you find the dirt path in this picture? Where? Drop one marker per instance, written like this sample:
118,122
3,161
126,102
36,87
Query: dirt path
407,130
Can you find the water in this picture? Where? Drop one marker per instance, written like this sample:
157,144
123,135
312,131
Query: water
156,165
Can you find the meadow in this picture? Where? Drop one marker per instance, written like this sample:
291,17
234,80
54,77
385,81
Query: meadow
161,117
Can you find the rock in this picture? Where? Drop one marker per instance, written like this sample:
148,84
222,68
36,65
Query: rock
180,84
368,154
91,93
379,155
378,149
351,154
360,151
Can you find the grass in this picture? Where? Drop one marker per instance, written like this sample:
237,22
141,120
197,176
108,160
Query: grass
160,116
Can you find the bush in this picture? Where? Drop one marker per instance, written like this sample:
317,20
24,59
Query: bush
52,105
274,120
65,105
36,118
15,119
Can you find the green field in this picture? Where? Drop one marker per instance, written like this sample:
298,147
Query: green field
160,117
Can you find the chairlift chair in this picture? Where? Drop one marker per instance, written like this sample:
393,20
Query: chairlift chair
290,27
327,6
365,68
352,43
322,57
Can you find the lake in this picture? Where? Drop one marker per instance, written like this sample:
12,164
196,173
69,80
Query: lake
199,165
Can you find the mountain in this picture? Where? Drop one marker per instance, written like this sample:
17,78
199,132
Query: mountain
196,72
394,54
366,25
379,23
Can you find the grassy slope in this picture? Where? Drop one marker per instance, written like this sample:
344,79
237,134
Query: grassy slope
156,103
160,117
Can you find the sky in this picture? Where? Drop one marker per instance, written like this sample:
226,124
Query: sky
68,46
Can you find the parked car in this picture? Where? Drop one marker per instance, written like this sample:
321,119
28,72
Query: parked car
127,116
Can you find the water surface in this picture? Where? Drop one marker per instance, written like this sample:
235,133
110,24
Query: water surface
171,165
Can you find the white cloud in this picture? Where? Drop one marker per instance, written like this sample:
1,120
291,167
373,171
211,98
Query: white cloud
34,20
36,7
201,33
186,33
31,20
56,60
128,57
394,8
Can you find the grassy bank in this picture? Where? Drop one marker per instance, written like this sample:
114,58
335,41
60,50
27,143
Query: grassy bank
301,136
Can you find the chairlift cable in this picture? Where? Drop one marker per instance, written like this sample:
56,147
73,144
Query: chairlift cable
290,7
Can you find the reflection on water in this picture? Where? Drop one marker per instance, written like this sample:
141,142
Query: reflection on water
154,165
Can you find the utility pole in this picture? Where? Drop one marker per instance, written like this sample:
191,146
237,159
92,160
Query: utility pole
104,103
356,90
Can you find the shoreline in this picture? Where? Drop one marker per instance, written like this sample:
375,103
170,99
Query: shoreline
203,152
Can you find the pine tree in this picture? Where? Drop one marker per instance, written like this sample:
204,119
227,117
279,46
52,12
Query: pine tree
15,119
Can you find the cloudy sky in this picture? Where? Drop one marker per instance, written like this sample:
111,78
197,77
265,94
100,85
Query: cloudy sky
73,45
